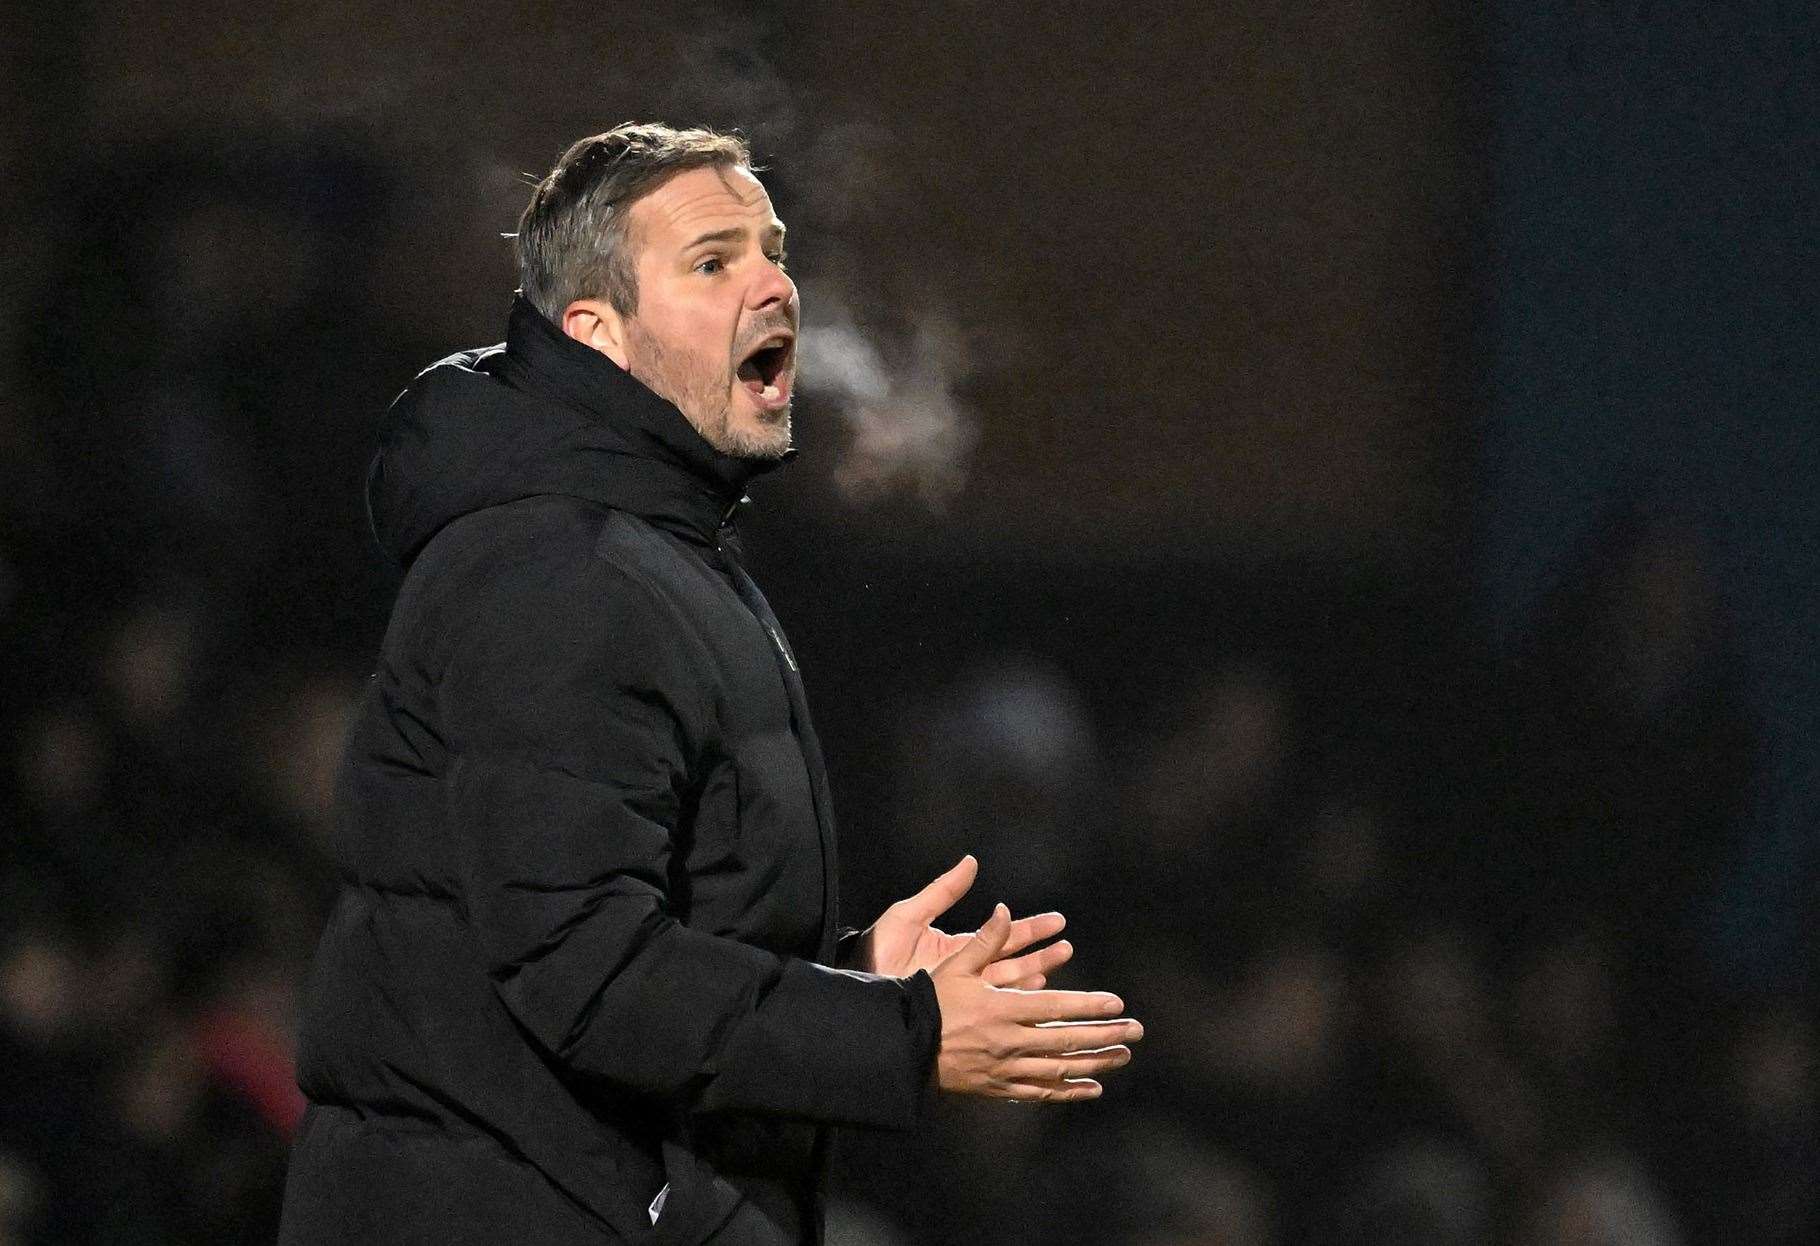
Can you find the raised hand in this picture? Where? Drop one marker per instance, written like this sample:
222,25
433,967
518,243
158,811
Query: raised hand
1027,1045
904,938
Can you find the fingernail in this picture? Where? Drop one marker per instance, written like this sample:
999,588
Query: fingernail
1137,1030
1113,1005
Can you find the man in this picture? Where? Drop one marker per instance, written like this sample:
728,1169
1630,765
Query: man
583,981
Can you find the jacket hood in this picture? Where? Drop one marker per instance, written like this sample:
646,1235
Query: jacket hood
540,414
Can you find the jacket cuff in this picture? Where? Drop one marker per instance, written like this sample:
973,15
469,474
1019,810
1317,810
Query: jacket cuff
833,1045
925,1034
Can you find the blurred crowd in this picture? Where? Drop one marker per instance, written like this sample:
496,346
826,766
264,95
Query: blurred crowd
184,601
1435,976
1420,940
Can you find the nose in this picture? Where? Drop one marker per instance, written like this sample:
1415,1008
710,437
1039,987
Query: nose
773,288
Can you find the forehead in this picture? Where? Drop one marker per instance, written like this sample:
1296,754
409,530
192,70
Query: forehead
701,200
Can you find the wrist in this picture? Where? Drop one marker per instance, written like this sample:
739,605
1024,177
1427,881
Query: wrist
853,950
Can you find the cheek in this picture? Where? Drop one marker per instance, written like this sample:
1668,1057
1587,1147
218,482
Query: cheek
696,332
706,339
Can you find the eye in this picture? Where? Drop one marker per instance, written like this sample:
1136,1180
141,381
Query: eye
777,258
709,266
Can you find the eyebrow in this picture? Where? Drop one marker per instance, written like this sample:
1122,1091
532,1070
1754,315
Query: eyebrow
735,234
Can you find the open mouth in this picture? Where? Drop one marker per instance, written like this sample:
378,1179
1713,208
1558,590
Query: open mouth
765,371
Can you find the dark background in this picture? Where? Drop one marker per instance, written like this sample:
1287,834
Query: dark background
1322,494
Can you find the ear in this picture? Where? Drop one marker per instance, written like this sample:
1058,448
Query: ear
595,324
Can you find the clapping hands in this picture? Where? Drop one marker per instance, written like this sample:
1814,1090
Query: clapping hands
1003,1035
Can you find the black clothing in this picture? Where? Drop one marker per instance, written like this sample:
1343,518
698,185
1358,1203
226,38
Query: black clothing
586,850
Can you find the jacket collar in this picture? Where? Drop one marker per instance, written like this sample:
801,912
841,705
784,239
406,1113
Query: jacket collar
667,472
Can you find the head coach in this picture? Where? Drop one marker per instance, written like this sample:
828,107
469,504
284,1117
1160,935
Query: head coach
583,980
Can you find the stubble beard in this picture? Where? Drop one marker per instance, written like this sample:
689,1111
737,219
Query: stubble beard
705,398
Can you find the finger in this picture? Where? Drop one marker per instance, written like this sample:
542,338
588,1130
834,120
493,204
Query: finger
1035,982
944,892
1037,1040
985,945
1035,964
1068,1065
1032,1007
1049,1092
1028,930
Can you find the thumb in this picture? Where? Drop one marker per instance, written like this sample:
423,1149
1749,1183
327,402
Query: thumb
944,892
985,946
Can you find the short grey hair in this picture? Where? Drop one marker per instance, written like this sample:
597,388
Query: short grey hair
573,239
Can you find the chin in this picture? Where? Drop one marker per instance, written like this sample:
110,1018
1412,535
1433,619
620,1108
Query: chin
771,445
763,442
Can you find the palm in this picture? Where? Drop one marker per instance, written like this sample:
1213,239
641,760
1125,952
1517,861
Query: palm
900,949
904,938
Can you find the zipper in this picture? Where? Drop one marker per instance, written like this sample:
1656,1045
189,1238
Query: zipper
723,535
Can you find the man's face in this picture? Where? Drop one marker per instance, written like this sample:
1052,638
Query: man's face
715,329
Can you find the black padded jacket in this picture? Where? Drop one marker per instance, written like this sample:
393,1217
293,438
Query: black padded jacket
583,951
